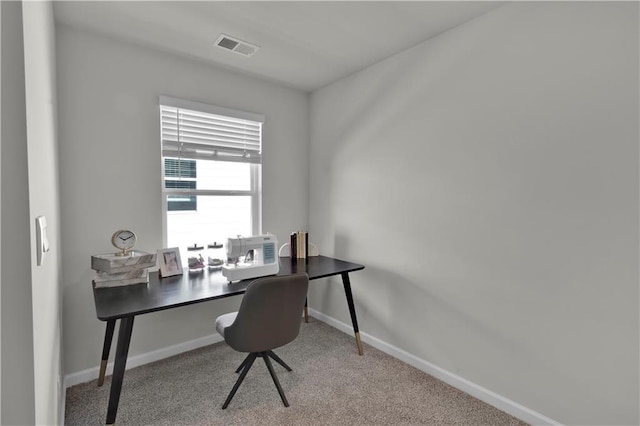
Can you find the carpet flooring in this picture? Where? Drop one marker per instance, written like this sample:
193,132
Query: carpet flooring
330,385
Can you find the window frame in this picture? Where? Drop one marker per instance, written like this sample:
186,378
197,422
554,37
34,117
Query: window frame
255,190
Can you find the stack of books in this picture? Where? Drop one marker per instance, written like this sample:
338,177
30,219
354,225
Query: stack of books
113,270
299,245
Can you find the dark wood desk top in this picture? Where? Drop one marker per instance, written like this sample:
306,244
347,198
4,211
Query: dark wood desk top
189,288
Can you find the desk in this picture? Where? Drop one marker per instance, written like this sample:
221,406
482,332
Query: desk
124,303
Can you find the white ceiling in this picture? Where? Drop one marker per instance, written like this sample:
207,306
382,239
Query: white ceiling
303,44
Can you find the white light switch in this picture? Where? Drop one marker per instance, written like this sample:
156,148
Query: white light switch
42,243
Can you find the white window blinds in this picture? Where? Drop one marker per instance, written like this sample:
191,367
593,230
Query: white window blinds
191,130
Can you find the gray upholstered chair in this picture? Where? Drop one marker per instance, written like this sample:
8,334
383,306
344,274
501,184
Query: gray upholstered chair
269,317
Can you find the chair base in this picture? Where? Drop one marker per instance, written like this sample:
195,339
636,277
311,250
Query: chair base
243,369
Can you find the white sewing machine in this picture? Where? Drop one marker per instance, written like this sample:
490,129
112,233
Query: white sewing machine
251,257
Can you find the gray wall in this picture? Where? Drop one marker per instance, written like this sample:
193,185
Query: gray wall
31,311
42,144
488,179
110,171
17,390
0,212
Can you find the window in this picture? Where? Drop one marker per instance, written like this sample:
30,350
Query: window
180,174
211,167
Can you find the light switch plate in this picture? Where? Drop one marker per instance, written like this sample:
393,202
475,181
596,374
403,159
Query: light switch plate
42,242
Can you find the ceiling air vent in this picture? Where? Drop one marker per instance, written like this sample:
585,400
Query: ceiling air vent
236,45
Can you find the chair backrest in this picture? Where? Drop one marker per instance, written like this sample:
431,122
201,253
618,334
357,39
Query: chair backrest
270,314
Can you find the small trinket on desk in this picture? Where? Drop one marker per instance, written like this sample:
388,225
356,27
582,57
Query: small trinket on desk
195,261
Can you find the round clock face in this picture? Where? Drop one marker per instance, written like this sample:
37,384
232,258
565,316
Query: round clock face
124,240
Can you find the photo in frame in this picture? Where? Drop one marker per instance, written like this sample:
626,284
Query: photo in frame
170,262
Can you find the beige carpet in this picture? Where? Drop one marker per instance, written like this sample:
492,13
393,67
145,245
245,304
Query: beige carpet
330,385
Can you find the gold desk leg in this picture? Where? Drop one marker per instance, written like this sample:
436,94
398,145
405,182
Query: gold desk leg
359,344
103,369
306,314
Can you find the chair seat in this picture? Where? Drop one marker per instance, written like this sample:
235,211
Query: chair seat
224,321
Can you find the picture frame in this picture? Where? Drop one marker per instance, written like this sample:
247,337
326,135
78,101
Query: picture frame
170,262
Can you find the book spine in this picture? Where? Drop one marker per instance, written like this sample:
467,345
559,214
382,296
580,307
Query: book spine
299,245
294,246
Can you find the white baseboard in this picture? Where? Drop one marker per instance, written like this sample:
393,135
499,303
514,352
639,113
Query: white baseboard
145,358
508,406
62,404
504,404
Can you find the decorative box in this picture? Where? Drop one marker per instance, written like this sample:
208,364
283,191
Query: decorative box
114,264
103,279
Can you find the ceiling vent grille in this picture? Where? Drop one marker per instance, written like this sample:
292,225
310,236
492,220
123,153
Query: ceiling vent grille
236,45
